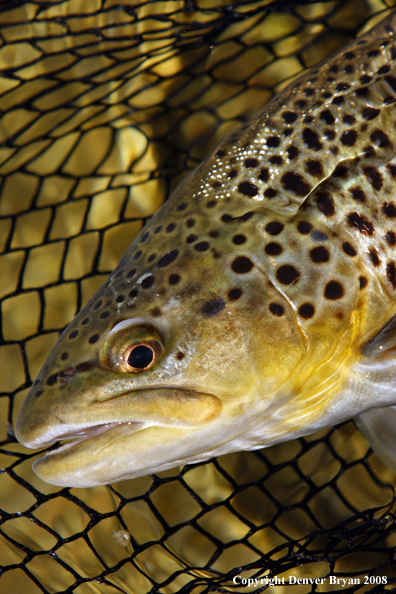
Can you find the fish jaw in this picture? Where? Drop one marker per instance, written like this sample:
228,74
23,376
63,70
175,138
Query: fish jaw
123,452
98,452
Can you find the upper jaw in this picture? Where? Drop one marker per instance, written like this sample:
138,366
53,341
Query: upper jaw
38,425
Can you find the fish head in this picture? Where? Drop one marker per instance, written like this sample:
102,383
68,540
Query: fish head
165,364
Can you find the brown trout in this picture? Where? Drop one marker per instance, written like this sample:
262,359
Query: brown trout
258,305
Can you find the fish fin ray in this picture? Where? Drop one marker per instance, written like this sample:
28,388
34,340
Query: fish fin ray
382,346
378,426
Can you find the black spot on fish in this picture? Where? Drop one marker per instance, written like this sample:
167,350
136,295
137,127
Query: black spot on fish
239,239
174,279
389,209
349,119
147,282
369,113
374,257
380,138
73,334
325,203
348,249
358,194
390,238
306,311
287,274
85,321
234,294
248,189
105,314
311,139
295,182
134,293
97,304
270,193
242,265
334,290
319,254
392,169
349,137
273,249
327,117
120,298
274,227
264,175
391,273
94,338
292,151
276,309
304,227
273,141
64,356
289,116
251,163
202,246
52,379
180,356
354,219
363,282
314,168
373,176
167,259
213,307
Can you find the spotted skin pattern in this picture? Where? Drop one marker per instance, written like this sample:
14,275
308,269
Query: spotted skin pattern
289,228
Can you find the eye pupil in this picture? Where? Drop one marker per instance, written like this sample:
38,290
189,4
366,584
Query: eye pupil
141,357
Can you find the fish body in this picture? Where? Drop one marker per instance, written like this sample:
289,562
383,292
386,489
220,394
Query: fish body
256,306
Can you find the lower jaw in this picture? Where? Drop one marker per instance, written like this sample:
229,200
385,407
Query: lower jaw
121,453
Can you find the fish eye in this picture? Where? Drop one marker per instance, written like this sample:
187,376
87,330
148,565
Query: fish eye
131,347
141,357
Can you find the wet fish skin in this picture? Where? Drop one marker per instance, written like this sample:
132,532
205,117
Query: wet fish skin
255,287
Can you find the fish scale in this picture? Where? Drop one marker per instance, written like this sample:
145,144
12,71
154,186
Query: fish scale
246,312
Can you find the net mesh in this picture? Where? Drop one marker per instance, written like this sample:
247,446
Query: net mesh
104,107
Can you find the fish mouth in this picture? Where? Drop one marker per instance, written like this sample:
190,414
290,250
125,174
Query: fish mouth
83,435
130,411
165,428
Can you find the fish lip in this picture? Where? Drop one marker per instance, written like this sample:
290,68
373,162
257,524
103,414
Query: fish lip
184,389
87,431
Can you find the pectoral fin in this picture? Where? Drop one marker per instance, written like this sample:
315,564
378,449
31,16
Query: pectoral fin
382,347
378,426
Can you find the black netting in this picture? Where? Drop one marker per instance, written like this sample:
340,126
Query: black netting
105,105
